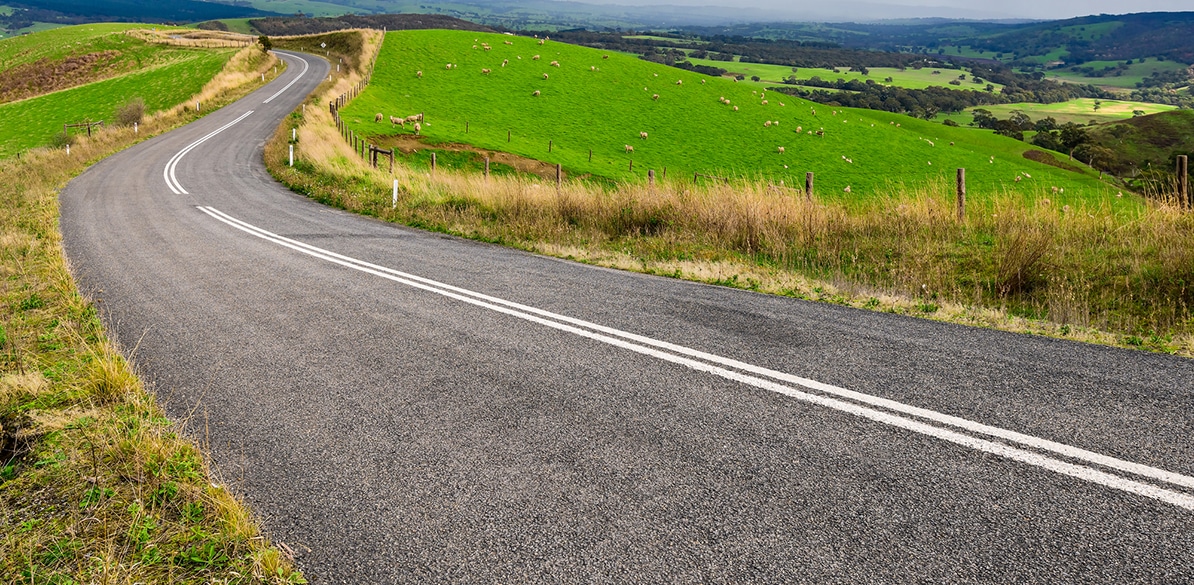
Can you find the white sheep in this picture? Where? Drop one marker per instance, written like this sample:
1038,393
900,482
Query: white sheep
781,150
642,135
702,82
395,120
544,76
540,41
535,58
378,117
629,148
592,68
418,128
605,56
799,129
764,102
554,63
508,42
418,74
505,62
735,108
655,97
448,66
847,189
767,124
535,93
484,72
679,82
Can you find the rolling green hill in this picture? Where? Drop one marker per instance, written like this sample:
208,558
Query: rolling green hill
161,75
602,101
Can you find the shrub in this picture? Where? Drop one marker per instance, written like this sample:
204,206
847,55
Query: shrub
62,139
131,112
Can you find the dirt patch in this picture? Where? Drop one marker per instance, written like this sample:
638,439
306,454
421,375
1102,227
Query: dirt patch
1048,159
46,75
408,144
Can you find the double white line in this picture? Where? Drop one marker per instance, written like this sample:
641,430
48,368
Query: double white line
306,66
1019,447
168,172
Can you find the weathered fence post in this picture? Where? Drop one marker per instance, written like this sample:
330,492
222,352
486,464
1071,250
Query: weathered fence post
808,186
507,136
391,161
466,127
590,155
433,161
1183,181
549,143
486,167
694,177
651,177
631,164
559,175
961,194
664,177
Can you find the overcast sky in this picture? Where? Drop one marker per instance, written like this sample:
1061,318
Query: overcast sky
868,9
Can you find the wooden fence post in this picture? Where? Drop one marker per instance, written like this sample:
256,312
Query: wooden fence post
559,175
590,155
433,161
961,194
507,136
631,164
486,167
549,143
1183,181
651,177
466,127
808,186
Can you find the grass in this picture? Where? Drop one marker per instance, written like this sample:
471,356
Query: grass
689,130
1128,79
63,42
908,78
1080,111
96,485
34,122
1113,270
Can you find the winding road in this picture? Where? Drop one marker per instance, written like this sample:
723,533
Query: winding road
404,406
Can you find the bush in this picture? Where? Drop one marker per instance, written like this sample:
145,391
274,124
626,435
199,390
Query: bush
131,112
62,139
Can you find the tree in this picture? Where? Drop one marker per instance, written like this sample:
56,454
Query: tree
265,43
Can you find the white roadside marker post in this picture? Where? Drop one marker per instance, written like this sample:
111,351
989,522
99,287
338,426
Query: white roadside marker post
68,150
394,201
294,133
135,129
292,155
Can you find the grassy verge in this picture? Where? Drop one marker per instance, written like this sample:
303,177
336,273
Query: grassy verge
96,485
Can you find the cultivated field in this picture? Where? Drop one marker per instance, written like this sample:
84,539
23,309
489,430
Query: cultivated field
907,78
1079,111
1135,73
603,101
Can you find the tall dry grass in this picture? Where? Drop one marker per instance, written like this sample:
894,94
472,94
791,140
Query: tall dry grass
96,485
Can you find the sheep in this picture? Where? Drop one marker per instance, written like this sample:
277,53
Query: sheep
655,97
629,148
781,150
395,120
605,56
535,58
378,117
418,128
702,82
847,189
535,93
820,133
642,135
508,42
781,104
679,82
505,62
544,76
484,72
776,122
540,41
767,124
764,102
799,129
419,74
448,66
592,68
735,108
554,63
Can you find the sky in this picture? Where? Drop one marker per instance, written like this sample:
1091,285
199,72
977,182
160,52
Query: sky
870,9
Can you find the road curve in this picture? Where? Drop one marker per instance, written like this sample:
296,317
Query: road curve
405,406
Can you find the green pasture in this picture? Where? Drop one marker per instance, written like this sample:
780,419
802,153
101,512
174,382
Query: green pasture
1135,73
907,78
239,25
690,130
62,42
1079,111
33,122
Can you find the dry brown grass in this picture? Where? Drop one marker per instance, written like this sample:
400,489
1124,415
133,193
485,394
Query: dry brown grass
96,485
1017,262
210,39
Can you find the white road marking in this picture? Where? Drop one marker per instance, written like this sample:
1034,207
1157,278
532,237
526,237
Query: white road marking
306,66
168,172
647,346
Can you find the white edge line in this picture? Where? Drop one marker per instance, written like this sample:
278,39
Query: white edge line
938,417
168,172
1178,499
292,82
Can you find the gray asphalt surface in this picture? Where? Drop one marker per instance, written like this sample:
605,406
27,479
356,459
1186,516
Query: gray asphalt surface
392,434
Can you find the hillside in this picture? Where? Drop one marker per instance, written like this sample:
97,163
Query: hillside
602,101
1147,142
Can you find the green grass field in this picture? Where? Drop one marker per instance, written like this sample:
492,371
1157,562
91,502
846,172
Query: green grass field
689,129
908,78
69,41
1136,73
33,122
1079,111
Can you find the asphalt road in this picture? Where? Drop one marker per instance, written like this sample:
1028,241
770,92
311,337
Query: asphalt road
403,406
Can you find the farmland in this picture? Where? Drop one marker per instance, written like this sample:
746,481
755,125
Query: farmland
161,76
602,104
1080,111
906,78
1126,79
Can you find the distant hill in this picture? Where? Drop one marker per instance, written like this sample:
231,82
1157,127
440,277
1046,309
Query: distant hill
282,26
84,11
1146,143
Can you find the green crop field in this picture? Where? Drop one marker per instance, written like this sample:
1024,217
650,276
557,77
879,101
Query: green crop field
1079,111
33,122
690,129
907,78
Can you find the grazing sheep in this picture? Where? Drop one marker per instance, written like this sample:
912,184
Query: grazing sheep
535,93
799,129
656,75
540,41
679,82
395,120
535,58
820,133
605,56
767,124
781,150
629,148
776,122
814,112
847,189
448,66
702,82
378,117
474,46
781,104
764,102
592,68
418,128
484,72
505,62
544,76
418,74
642,135
508,42
735,108
554,63
1018,179
655,97
487,47
951,144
